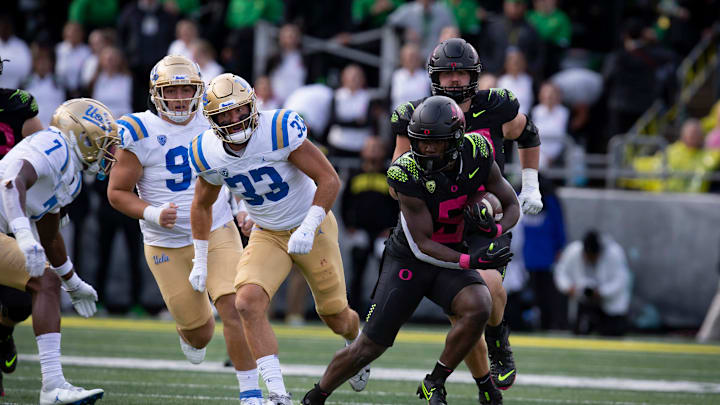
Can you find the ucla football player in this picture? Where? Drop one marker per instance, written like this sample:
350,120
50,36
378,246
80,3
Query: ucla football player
153,157
40,175
288,187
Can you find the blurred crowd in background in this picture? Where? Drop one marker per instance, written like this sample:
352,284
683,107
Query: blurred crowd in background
584,71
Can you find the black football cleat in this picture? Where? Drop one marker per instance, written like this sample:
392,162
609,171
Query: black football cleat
489,394
432,392
8,355
502,363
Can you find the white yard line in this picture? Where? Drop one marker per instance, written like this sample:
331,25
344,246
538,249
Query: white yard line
398,374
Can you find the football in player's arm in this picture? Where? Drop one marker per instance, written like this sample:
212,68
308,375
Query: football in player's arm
493,112
424,256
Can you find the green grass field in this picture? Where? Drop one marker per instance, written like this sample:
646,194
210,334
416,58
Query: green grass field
140,362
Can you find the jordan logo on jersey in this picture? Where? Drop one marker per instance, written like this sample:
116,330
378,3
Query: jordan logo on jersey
162,259
162,139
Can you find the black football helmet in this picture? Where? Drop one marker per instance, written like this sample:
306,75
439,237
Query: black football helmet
438,118
454,54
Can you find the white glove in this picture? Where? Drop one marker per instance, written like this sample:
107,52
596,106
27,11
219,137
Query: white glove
82,294
31,248
198,275
530,198
301,241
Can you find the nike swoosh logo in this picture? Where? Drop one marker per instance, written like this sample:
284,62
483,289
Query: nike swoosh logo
477,114
11,362
485,261
473,173
504,377
484,229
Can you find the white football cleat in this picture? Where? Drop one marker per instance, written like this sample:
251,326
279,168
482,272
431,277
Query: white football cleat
251,397
360,380
194,356
251,401
70,394
277,399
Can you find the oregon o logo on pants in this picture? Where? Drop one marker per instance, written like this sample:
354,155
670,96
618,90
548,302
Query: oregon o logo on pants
405,274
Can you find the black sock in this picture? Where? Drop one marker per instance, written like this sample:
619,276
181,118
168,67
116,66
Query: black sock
483,381
494,330
440,373
6,332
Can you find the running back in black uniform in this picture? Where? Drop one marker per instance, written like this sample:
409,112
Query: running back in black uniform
404,279
16,107
489,110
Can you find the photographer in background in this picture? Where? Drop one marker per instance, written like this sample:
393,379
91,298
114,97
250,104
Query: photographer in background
594,274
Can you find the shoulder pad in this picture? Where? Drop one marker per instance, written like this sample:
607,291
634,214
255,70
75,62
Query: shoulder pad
503,103
407,162
284,123
22,102
401,116
197,157
403,168
134,126
480,145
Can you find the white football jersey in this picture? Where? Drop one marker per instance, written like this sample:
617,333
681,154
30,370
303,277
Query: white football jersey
58,169
162,149
277,194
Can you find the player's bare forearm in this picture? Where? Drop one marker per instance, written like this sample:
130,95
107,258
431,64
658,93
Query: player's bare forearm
497,185
327,191
311,161
512,130
48,228
529,157
402,145
31,126
124,176
201,208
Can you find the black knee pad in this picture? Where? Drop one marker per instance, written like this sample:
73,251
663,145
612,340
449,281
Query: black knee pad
16,305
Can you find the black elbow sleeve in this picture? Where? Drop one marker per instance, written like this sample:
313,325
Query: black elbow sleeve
529,138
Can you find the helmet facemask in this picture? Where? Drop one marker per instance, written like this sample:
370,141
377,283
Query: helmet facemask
454,54
175,70
436,163
226,93
459,94
161,102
